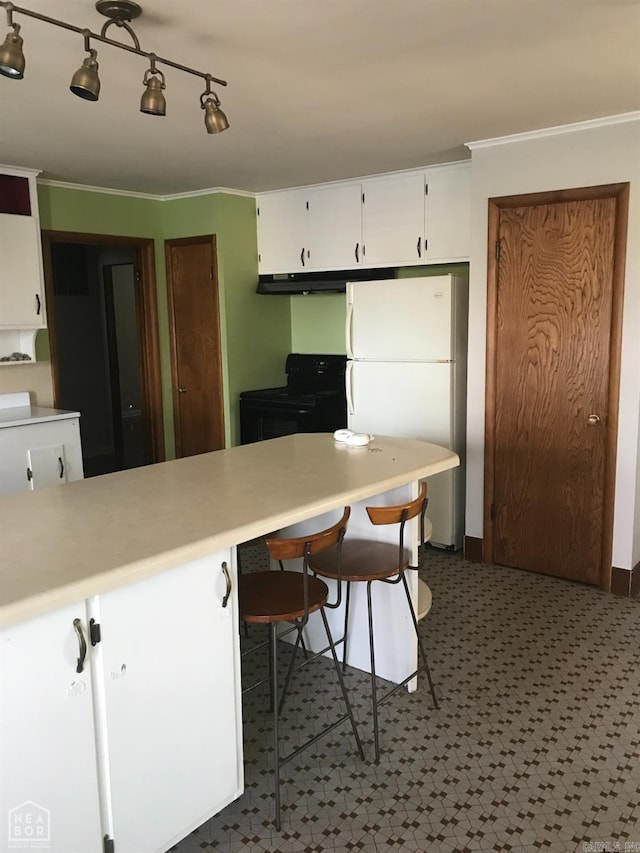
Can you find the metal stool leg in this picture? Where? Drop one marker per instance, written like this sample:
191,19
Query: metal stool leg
346,626
290,668
374,689
276,721
345,695
420,644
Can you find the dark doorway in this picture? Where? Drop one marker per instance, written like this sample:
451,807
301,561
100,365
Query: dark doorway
102,354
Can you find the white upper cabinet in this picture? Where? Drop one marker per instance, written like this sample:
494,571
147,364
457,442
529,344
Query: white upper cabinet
407,218
335,226
22,310
393,217
282,231
448,219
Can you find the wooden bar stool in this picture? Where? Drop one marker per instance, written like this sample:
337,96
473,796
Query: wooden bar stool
291,596
365,560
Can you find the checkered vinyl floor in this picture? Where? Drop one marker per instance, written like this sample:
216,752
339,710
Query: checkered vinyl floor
535,746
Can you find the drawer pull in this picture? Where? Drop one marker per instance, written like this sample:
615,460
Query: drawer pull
82,643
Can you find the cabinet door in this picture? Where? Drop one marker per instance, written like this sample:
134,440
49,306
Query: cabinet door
21,303
48,776
393,220
448,227
335,226
282,231
172,702
47,466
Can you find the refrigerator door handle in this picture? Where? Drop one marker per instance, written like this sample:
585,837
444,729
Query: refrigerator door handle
349,388
348,329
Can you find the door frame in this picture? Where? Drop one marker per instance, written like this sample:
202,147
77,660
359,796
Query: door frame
148,335
619,192
168,245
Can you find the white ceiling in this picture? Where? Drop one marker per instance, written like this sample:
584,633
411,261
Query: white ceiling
318,90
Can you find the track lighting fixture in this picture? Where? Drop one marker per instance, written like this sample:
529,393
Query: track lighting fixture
11,56
214,118
85,83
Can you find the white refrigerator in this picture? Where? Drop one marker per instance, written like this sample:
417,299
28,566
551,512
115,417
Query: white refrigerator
406,345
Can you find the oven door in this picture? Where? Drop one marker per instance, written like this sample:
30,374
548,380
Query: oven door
260,421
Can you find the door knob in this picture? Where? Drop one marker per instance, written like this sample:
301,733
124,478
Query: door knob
183,390
593,420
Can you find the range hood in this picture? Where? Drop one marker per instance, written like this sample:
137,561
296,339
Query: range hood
288,284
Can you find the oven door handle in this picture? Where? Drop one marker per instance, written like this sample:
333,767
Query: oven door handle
349,388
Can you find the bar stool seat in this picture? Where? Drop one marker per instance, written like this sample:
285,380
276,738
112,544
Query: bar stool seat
279,596
362,560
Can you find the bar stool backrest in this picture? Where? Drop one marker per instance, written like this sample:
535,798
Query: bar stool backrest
400,514
305,546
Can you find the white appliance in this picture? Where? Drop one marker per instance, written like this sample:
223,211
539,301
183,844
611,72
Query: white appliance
406,376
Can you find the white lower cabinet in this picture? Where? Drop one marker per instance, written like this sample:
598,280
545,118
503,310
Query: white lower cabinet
38,455
145,744
48,771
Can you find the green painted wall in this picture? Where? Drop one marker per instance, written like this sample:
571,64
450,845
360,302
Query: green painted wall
318,320
256,330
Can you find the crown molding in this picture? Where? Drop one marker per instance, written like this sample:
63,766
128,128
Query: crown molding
590,124
127,193
19,171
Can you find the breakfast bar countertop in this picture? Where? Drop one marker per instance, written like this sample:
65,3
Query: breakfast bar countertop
66,543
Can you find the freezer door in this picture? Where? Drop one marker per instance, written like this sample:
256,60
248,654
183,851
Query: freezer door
406,319
411,401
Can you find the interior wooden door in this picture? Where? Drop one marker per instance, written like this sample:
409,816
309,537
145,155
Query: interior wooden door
195,344
555,288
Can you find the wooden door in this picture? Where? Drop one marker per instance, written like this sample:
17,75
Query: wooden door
195,345
555,299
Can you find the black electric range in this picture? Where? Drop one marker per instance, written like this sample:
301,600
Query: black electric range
313,400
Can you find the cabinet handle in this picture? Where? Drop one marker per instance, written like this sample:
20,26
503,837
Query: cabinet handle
38,305
81,643
302,256
419,247
227,578
356,253
61,463
29,475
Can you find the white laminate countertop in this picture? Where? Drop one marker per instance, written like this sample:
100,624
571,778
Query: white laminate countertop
63,544
21,415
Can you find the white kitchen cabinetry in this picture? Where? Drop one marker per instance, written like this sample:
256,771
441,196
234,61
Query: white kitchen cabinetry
448,217
170,658
22,310
39,454
335,226
310,229
47,737
407,218
282,231
145,744
393,219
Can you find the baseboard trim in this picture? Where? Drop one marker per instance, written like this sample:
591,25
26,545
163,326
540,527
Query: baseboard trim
624,581
473,549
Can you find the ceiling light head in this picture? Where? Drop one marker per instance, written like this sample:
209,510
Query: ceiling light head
153,101
85,83
215,119
12,61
